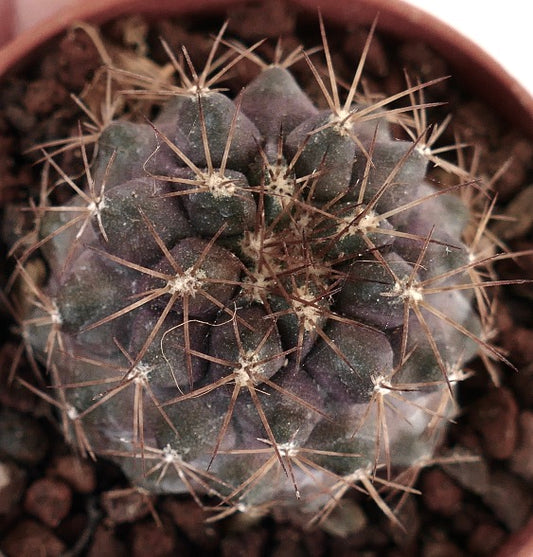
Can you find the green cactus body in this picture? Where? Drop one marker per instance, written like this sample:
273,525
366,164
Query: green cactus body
266,300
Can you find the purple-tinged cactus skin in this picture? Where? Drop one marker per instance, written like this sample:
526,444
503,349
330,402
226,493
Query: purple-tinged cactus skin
257,299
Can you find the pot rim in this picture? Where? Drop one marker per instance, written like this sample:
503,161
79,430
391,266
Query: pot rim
479,71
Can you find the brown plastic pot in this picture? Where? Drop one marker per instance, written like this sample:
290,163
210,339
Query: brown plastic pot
479,72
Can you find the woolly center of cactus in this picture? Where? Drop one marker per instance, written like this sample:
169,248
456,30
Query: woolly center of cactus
280,184
257,284
406,289
363,222
250,370
72,413
220,186
188,283
198,90
140,374
424,150
54,315
96,206
253,245
170,455
288,450
381,384
305,307
341,120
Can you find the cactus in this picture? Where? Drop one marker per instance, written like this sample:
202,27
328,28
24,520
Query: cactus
258,299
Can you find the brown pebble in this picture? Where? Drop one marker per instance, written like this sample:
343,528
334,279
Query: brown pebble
522,383
48,499
441,548
153,539
440,493
476,123
248,21
510,499
13,393
520,344
74,526
77,60
376,61
485,539
288,543
315,542
468,439
106,544
43,95
30,539
515,340
22,437
495,418
421,61
407,532
190,519
522,459
78,473
246,544
518,213
519,150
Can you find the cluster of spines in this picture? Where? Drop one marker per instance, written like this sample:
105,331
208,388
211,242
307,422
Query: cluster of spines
267,207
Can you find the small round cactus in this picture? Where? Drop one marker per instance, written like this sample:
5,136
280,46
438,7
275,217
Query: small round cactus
255,298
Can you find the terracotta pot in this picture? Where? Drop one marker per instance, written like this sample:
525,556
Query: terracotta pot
480,73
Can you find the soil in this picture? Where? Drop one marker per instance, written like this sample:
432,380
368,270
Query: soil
54,503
